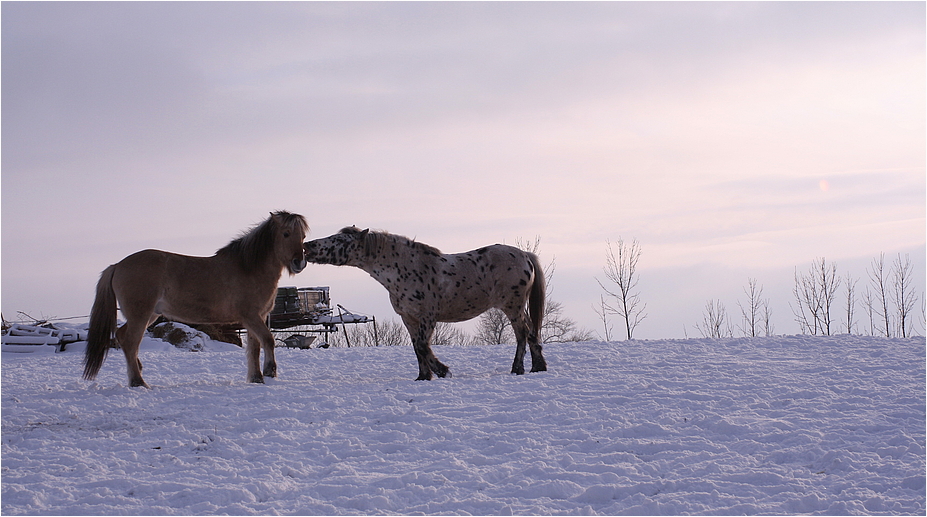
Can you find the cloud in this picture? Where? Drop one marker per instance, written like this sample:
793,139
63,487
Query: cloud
143,78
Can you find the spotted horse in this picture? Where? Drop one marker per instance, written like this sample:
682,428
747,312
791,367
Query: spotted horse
426,287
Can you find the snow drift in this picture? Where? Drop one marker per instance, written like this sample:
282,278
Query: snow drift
781,425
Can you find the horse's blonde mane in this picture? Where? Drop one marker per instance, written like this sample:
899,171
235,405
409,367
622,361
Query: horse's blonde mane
252,246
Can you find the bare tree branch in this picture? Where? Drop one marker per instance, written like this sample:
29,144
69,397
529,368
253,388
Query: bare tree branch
494,328
870,306
903,294
850,302
756,313
814,294
715,322
878,279
603,311
621,270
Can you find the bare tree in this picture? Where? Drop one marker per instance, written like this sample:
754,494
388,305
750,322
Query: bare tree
924,309
621,270
878,279
814,294
806,297
766,319
602,311
903,294
386,333
715,322
870,306
850,302
448,334
557,328
494,328
828,281
756,313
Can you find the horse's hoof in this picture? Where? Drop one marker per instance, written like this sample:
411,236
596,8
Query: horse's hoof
135,383
441,370
541,368
518,370
257,379
270,371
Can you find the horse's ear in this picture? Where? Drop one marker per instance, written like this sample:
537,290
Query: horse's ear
364,233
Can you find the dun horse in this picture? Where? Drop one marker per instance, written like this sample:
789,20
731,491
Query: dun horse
426,287
235,286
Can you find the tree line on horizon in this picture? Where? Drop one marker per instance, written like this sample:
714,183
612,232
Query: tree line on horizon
888,303
824,303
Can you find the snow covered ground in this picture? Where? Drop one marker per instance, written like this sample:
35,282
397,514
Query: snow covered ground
783,425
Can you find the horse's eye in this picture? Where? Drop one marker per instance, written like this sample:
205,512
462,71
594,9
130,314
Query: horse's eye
286,235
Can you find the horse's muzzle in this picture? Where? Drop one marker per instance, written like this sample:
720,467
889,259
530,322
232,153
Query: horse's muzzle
298,264
310,251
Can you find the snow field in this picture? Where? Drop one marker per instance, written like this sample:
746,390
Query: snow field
782,425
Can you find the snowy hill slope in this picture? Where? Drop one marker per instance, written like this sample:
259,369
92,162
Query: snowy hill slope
778,425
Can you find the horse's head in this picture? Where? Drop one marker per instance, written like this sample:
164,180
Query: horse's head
341,249
290,232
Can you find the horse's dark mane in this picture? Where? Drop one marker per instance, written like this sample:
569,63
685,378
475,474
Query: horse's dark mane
375,240
252,247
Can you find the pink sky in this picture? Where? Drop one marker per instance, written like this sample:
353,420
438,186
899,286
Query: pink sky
703,130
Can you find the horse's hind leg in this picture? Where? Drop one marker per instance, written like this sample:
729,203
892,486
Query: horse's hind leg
521,335
129,337
538,363
524,335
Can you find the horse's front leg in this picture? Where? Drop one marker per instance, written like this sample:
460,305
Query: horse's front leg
421,331
270,360
259,337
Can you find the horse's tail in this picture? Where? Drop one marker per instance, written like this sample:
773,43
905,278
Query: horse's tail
102,325
536,297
